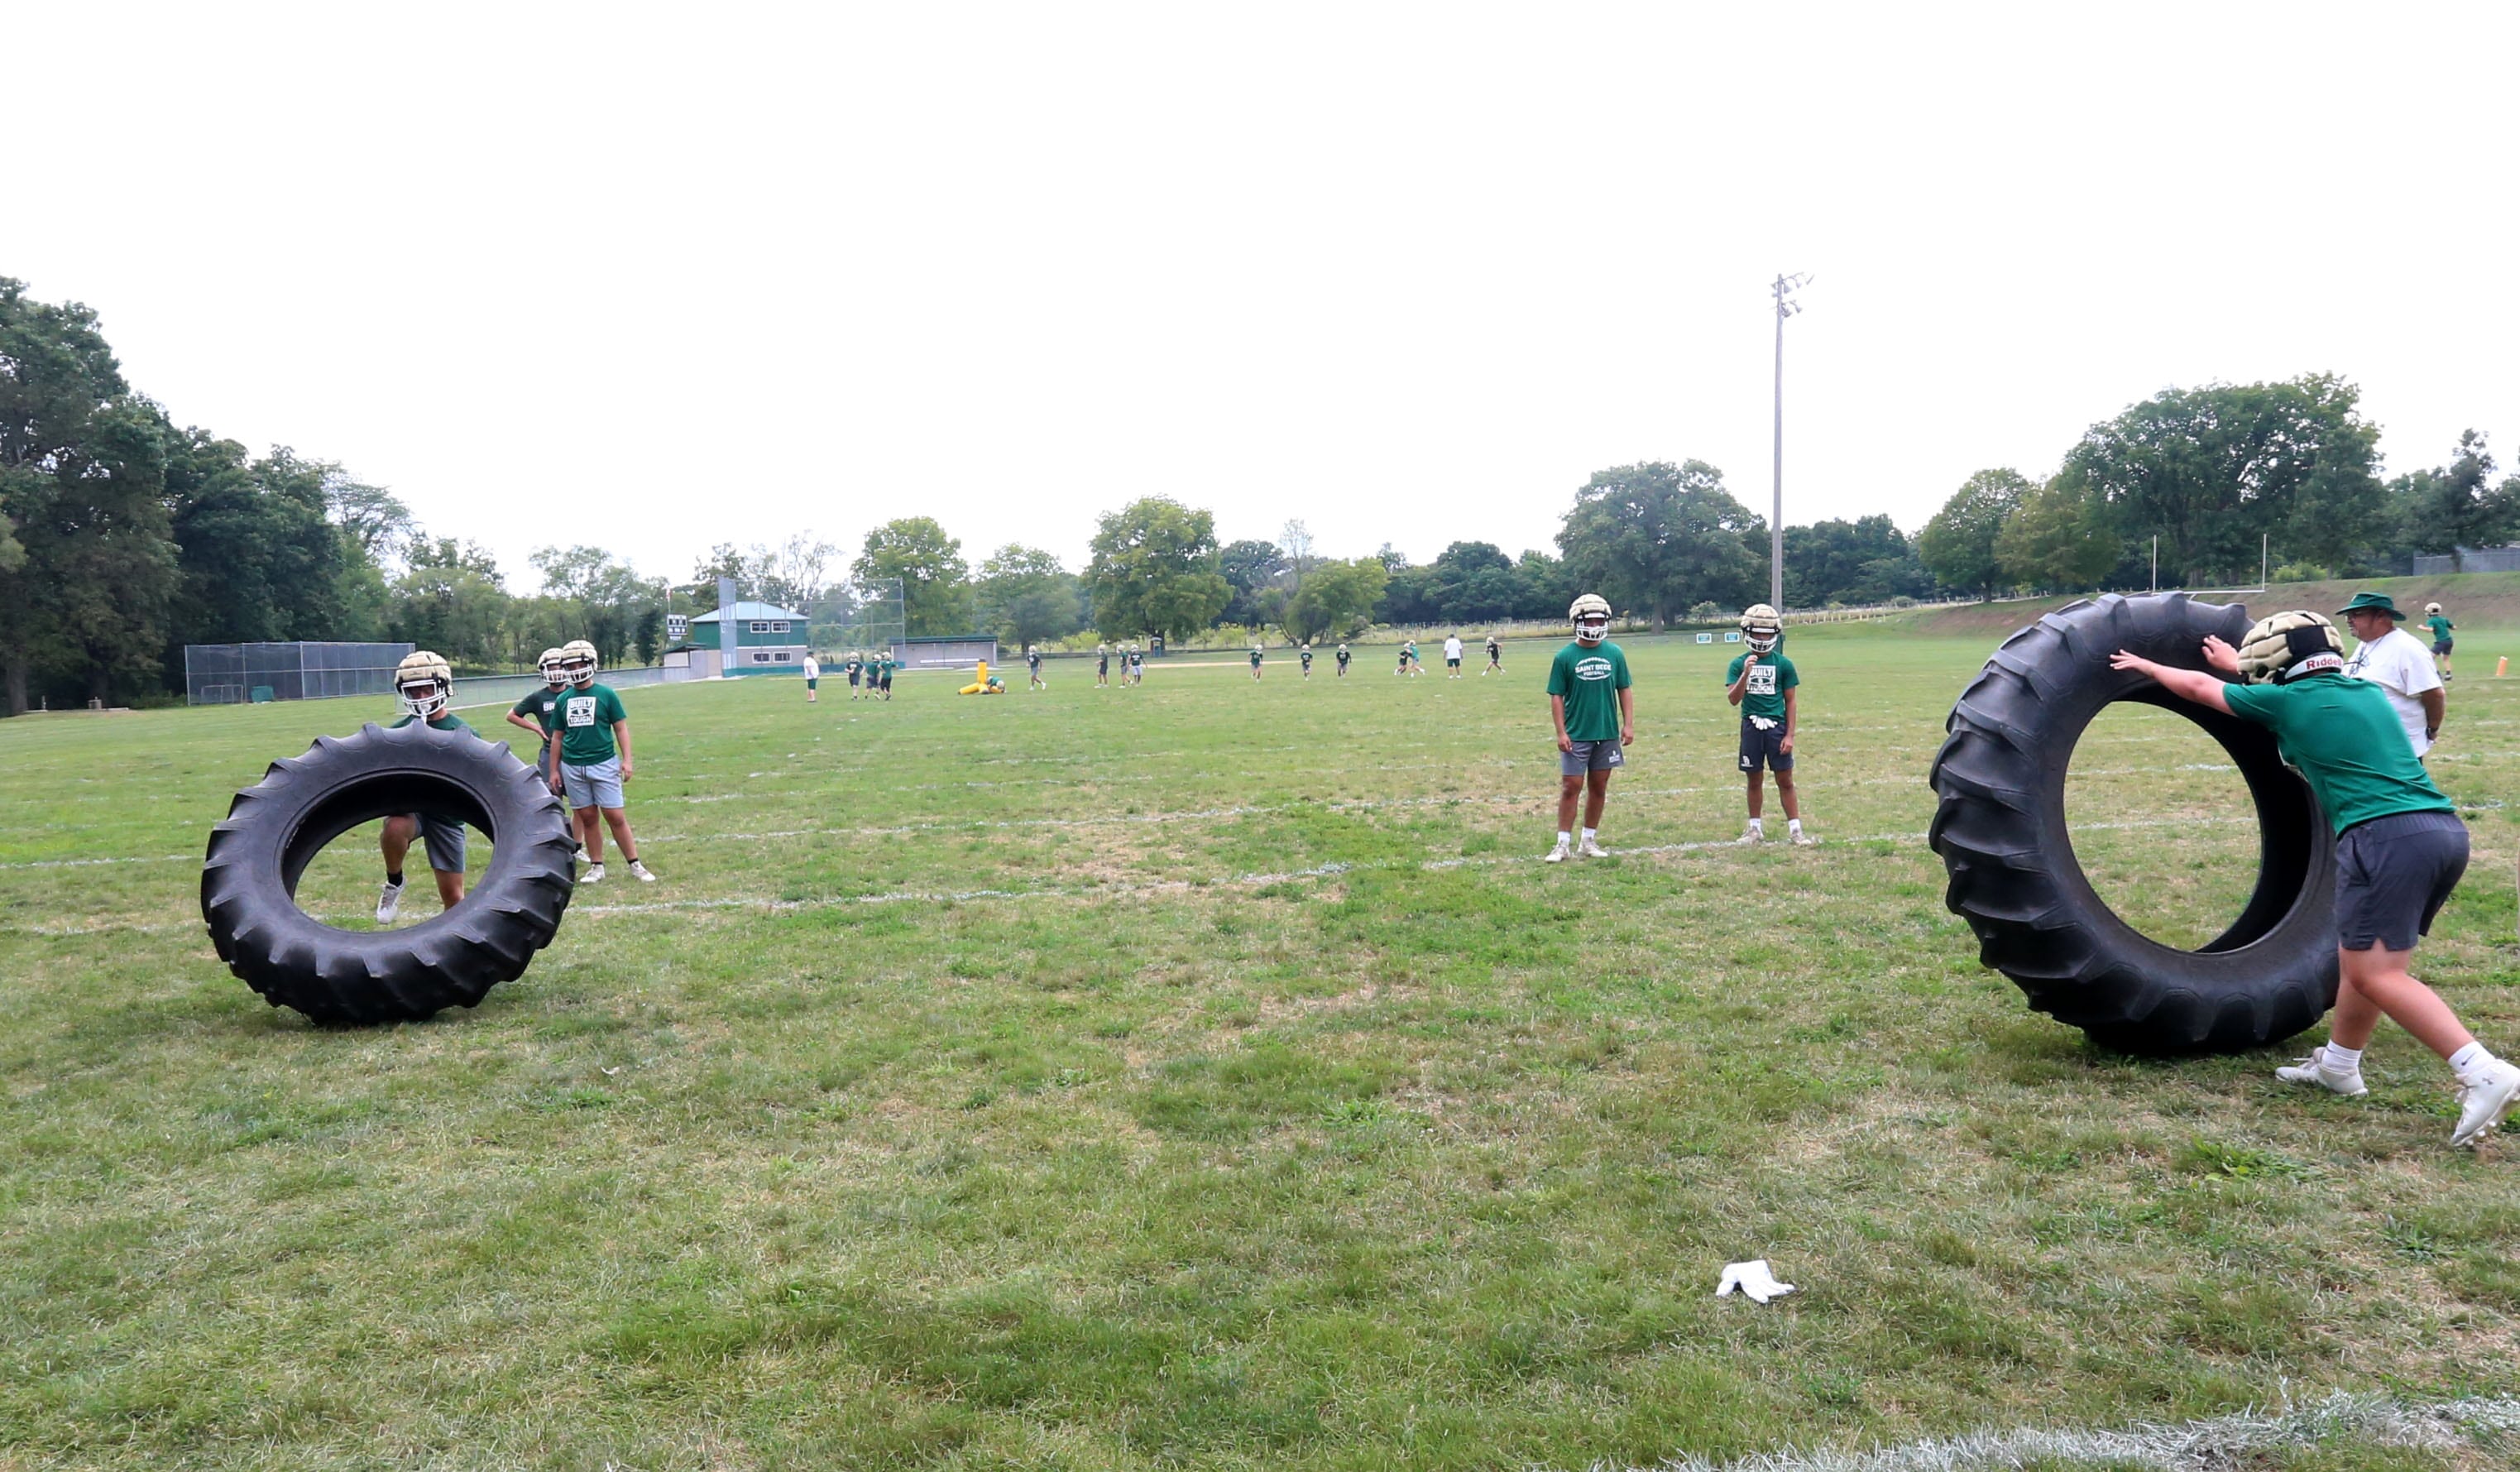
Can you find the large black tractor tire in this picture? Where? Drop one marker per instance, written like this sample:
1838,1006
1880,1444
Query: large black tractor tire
276,827
2001,830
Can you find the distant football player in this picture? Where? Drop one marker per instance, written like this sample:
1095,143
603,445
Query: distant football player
1496,657
1596,716
1452,655
1344,657
813,678
1305,655
1255,662
855,667
2440,627
593,755
885,665
1032,661
425,686
1763,682
1102,667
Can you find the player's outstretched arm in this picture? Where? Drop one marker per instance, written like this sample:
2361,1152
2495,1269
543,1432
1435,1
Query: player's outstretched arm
2192,685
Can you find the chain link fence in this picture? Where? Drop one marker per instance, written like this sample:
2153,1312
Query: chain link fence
235,674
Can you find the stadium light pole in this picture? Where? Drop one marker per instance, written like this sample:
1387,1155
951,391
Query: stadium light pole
1784,287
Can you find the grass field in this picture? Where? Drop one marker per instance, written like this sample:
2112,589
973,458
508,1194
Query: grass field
1209,1076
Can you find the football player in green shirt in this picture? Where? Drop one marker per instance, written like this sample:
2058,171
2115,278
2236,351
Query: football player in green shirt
1595,716
425,685
1763,682
533,712
2400,847
1255,662
2441,627
592,754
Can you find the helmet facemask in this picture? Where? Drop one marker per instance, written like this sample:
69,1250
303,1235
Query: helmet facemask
554,673
426,699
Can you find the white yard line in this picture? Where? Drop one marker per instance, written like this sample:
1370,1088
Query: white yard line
2207,1445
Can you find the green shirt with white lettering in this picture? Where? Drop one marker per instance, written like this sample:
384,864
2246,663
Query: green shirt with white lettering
1590,680
2345,739
585,716
1769,679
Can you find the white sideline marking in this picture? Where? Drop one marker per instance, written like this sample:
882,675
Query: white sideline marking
2221,1442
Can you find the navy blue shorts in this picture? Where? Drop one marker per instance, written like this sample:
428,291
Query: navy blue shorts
2393,876
1765,748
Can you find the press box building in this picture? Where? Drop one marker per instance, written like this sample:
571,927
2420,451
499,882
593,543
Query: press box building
768,639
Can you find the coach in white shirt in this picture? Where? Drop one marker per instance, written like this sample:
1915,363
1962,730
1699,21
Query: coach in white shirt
2393,659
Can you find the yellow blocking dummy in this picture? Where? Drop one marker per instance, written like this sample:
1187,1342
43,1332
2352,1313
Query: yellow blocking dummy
981,685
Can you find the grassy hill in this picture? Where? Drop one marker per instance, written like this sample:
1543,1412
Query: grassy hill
2473,601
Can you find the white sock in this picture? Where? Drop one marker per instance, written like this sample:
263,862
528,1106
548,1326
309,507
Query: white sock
1793,825
2470,1058
2337,1059
1757,826
1564,837
1590,834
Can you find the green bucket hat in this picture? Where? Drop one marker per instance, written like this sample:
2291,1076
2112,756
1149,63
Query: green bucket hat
2372,603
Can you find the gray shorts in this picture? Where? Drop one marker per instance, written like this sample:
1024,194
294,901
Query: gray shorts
596,785
443,838
1592,757
2393,876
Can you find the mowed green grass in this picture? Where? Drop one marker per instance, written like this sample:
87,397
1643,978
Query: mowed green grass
1204,1075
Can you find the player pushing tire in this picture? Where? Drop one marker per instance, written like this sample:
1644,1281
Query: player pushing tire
2000,827
2401,846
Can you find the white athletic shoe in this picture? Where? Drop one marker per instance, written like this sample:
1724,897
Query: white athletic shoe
1556,854
2312,1069
640,872
1801,838
1590,849
594,874
389,904
1751,833
2485,1096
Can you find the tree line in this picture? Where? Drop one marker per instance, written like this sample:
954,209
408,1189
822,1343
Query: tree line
124,538
2210,480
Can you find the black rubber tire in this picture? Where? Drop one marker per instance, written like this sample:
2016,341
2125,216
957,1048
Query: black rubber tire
275,828
2001,830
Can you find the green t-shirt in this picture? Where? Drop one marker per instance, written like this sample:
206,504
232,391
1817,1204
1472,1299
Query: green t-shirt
585,716
1589,680
448,721
1255,656
1769,679
2440,627
540,706
2345,739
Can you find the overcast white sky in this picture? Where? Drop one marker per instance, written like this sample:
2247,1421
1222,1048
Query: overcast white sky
658,277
